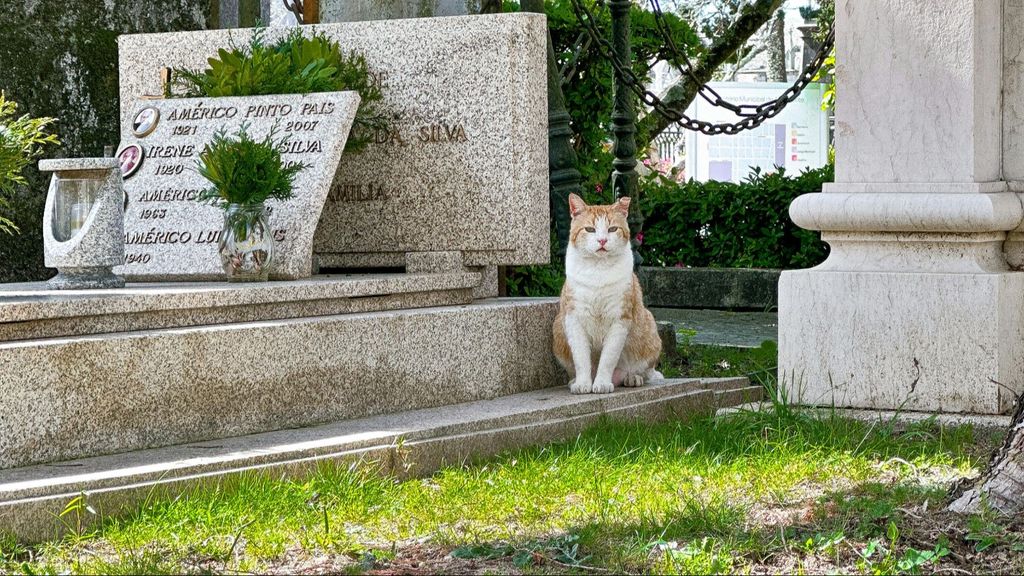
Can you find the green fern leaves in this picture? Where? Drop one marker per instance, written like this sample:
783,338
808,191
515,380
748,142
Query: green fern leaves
295,64
243,170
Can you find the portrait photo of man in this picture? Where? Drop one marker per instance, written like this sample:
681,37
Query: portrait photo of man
145,121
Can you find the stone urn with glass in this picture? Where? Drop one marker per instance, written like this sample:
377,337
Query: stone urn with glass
83,223
244,174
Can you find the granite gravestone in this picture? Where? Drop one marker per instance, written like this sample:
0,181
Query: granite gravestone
169,235
357,10
463,166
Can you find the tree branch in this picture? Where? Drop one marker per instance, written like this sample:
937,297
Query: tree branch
745,59
752,17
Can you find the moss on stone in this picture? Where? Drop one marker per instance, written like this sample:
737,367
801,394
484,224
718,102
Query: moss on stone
59,59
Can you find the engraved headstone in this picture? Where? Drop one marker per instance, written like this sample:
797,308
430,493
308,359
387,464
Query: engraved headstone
169,235
463,167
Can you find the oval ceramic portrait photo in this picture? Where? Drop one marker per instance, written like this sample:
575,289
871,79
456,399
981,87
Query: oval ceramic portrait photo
145,121
129,159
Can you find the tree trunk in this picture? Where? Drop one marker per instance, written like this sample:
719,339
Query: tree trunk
1002,485
777,49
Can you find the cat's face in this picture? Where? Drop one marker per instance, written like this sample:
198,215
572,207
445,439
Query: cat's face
599,231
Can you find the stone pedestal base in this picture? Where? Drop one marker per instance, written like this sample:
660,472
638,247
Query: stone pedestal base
85,279
950,342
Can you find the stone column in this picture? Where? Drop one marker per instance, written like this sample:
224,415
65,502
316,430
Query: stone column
917,307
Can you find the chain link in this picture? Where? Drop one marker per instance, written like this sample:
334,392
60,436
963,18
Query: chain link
753,115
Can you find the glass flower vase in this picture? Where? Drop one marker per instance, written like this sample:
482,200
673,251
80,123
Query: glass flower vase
246,244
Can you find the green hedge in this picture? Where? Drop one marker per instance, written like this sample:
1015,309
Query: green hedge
729,225
709,224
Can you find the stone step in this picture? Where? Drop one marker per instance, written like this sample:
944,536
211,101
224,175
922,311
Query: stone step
73,397
33,311
405,444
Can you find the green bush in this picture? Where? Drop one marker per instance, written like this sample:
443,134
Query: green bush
729,225
21,141
245,171
295,64
709,224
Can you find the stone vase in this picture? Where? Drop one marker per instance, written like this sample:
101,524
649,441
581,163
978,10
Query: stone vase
246,243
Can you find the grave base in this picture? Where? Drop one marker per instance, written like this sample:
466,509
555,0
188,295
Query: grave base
75,396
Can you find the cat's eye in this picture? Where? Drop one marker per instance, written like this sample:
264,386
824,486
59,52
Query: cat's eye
590,229
613,229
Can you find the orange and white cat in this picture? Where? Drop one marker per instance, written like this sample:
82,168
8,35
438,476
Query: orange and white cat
603,335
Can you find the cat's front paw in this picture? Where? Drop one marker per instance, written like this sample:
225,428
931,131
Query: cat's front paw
577,386
602,387
633,381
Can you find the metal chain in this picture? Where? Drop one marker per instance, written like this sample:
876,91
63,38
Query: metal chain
753,114
295,7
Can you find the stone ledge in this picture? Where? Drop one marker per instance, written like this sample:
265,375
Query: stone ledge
917,187
76,164
428,439
988,421
32,310
710,288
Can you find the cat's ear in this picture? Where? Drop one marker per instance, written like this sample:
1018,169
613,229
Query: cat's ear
623,206
576,205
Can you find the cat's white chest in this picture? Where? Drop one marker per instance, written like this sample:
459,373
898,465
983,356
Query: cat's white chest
597,311
599,299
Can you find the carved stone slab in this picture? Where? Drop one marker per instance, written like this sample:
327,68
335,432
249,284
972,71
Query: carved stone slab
464,166
169,235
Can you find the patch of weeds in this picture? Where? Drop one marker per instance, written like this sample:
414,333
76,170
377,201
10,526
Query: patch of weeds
871,507
986,531
827,543
705,556
11,551
881,557
75,518
320,533
127,563
483,551
563,550
706,361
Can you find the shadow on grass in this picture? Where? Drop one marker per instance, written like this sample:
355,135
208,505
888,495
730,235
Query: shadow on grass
835,530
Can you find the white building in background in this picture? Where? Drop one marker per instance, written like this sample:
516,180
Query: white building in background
806,140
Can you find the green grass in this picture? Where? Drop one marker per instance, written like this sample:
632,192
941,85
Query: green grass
709,496
701,360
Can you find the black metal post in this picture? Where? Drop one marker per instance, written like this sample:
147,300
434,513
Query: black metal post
625,180
564,175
